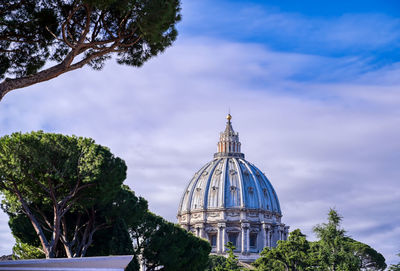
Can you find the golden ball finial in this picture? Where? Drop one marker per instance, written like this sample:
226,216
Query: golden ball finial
229,117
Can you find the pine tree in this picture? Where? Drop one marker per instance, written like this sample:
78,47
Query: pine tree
232,262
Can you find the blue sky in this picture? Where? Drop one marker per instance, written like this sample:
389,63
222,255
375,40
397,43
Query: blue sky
313,87
325,28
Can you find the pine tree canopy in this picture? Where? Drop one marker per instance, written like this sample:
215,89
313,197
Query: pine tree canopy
69,34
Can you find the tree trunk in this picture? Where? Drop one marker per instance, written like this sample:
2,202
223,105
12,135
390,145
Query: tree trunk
10,84
56,230
48,250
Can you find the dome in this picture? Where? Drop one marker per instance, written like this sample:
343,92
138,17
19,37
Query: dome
229,182
230,199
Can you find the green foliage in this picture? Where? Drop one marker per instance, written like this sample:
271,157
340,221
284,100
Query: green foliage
22,229
33,32
395,267
292,254
334,251
40,163
214,261
164,244
125,211
114,239
51,177
25,19
331,250
231,263
25,251
55,181
368,258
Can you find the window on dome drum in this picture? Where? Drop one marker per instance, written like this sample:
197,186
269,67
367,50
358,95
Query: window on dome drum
253,240
213,239
233,238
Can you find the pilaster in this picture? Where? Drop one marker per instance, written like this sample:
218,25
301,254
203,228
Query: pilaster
200,230
221,237
245,237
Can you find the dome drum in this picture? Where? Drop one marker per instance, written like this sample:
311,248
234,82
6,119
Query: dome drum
223,214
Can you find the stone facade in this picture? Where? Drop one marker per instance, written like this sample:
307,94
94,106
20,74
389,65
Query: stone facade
229,199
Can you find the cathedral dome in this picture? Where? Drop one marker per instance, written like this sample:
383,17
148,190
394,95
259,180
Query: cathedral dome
230,199
229,181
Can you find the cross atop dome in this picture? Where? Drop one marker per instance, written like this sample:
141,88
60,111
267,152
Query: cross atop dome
229,144
229,129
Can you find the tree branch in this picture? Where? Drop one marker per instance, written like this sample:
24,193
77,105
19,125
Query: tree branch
87,24
45,219
108,31
96,28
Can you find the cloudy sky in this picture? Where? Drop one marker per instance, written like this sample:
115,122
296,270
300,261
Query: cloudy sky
314,90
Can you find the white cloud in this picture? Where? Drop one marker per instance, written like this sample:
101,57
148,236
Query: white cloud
321,144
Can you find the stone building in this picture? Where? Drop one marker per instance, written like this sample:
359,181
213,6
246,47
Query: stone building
230,199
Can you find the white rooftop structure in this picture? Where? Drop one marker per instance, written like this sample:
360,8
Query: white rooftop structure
109,263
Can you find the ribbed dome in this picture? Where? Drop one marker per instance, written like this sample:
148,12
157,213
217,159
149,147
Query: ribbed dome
229,181
231,200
